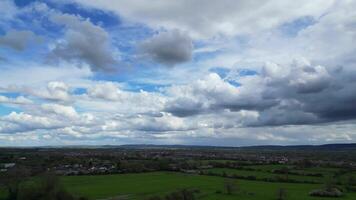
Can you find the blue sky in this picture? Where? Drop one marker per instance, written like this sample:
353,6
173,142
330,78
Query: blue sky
119,72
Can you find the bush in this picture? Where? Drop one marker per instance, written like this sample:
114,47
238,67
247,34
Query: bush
154,198
329,192
351,188
184,194
181,195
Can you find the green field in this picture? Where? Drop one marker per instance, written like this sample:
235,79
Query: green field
140,186
264,171
269,168
264,174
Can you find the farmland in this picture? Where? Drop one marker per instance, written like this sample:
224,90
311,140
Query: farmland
157,173
140,186
143,185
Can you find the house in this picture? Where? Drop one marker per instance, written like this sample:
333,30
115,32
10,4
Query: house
8,165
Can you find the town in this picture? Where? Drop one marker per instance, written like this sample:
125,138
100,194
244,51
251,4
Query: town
292,166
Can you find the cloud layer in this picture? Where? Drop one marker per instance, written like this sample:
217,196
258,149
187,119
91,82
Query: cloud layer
246,73
203,19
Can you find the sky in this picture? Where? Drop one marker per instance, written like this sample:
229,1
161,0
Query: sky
192,72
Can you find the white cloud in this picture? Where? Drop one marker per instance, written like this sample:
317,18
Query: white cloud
206,19
57,91
22,122
17,100
17,76
121,101
107,90
66,111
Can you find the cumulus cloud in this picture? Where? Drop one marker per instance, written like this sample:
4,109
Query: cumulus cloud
213,93
66,111
17,100
121,101
168,48
57,91
108,90
146,126
18,40
45,117
23,122
83,42
281,94
299,76
54,91
314,90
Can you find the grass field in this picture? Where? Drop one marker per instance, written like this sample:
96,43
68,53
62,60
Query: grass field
263,174
140,186
328,173
2,193
269,168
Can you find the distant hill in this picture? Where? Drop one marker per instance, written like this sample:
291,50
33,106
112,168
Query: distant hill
324,147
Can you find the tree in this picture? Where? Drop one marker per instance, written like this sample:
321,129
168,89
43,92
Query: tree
351,181
305,163
12,179
285,170
230,186
48,188
224,174
281,194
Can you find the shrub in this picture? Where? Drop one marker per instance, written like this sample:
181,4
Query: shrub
154,198
184,194
329,192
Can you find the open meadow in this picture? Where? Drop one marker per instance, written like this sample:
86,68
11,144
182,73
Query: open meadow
141,186
175,174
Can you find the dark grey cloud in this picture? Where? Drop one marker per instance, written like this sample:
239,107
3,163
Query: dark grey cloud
333,104
18,40
258,104
303,94
317,101
168,48
84,42
183,107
